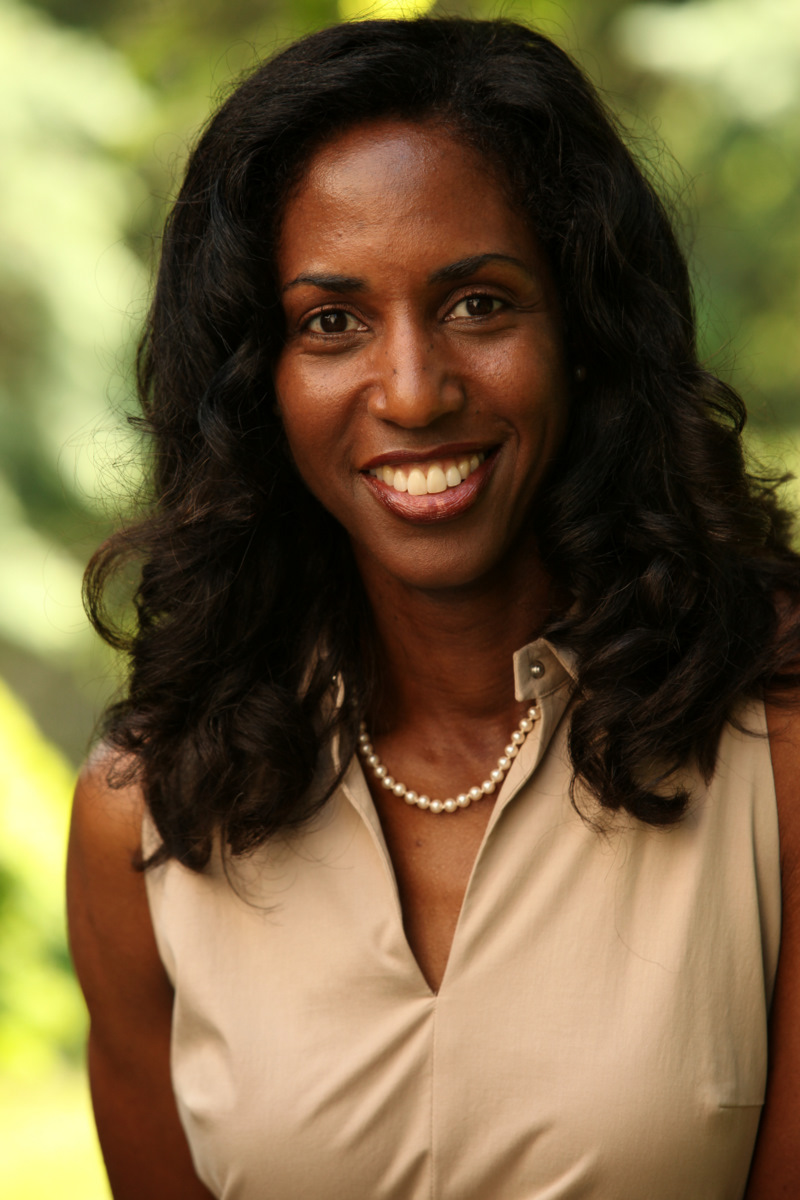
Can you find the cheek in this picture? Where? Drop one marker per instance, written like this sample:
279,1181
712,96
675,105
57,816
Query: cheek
315,419
526,363
535,387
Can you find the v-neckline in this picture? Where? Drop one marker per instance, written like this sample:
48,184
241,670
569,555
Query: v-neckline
553,701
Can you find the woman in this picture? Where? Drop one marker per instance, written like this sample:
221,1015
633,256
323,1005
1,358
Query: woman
434,460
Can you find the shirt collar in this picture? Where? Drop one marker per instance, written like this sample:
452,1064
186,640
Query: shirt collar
540,669
545,684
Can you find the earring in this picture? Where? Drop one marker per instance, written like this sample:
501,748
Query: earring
580,374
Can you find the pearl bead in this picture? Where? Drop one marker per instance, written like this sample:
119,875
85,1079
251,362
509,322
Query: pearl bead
464,799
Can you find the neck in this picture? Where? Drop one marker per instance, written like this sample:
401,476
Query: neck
445,655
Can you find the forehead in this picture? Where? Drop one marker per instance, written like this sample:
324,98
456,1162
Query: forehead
389,148
393,181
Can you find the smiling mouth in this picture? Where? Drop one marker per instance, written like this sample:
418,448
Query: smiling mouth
432,490
429,478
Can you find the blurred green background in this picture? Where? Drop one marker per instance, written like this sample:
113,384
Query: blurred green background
99,100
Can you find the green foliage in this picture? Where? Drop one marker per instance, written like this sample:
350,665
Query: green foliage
41,1015
47,1147
723,77
70,110
47,1143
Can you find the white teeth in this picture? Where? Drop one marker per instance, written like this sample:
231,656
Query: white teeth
430,478
437,480
417,483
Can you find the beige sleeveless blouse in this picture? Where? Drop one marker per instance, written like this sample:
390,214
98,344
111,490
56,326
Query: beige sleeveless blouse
600,1031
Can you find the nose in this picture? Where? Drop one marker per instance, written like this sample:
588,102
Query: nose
416,381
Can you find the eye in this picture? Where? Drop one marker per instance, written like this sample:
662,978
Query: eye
333,320
479,305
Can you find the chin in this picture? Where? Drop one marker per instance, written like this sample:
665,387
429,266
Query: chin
436,568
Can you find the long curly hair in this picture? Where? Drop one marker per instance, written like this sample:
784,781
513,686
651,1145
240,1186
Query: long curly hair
248,601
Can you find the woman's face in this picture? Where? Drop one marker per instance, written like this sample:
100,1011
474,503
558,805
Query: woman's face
422,384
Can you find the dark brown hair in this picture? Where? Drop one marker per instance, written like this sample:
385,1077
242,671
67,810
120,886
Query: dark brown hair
248,601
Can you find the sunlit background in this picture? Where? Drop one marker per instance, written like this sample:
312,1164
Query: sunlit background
99,100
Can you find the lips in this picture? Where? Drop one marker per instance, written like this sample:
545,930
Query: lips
430,490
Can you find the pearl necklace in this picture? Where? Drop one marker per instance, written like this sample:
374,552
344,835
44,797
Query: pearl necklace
464,799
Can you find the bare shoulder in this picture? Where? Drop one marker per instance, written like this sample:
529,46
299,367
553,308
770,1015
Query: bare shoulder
106,899
776,1164
127,991
783,723
106,818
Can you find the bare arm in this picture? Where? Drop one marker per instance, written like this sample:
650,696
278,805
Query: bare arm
775,1174
128,995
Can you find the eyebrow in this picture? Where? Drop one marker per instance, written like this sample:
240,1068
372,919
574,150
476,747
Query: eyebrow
452,272
328,283
467,266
